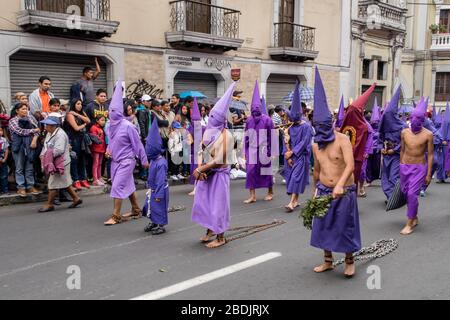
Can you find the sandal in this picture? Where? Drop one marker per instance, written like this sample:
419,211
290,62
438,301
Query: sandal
222,241
209,235
349,261
115,220
328,260
137,214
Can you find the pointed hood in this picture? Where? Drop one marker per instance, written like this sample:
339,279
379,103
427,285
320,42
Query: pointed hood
376,114
196,112
322,117
154,144
362,101
264,106
256,101
295,115
390,121
445,128
116,105
218,117
421,109
341,113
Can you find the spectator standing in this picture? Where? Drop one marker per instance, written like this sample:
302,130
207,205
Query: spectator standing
75,126
98,150
143,117
4,153
40,98
163,122
24,134
175,103
56,145
98,107
176,150
86,82
185,117
204,113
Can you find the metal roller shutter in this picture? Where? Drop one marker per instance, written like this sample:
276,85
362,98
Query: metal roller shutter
190,81
279,86
26,67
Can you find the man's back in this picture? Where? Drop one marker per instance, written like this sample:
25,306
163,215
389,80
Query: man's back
332,161
415,145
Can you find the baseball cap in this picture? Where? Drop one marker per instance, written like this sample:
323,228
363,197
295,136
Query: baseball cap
146,97
51,121
176,125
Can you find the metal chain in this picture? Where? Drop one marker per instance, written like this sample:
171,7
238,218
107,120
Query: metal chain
377,250
250,230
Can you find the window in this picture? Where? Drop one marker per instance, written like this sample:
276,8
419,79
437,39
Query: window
382,70
367,69
442,91
445,19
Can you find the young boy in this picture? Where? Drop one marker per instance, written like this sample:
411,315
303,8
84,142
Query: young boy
4,145
157,202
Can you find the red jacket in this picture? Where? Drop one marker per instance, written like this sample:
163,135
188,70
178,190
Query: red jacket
98,131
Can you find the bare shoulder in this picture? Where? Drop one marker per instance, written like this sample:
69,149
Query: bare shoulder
428,133
315,147
342,139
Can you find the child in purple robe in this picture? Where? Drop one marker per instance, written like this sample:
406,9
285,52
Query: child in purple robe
157,204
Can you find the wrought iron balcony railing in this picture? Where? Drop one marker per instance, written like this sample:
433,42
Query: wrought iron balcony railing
291,35
200,17
94,9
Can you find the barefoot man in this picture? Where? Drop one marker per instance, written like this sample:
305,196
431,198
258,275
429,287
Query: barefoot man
125,145
339,230
257,146
297,146
211,207
414,169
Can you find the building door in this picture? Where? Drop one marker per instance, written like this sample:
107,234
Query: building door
378,93
198,16
59,6
286,19
280,86
190,81
26,67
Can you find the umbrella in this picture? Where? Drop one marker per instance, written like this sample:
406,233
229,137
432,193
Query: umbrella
193,94
306,94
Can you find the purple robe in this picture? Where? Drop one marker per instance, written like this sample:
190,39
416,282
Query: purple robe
259,174
339,230
412,178
297,176
125,145
391,163
446,160
367,152
195,135
159,186
437,141
211,207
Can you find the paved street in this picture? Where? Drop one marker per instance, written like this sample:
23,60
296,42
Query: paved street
123,262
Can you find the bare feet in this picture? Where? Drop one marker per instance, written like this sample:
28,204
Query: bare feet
409,228
350,268
192,194
415,222
327,266
269,197
219,242
249,201
291,207
208,237
113,221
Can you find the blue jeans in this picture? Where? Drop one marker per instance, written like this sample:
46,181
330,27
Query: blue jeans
78,166
4,178
24,171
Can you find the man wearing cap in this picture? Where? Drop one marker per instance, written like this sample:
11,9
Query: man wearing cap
339,230
415,170
57,144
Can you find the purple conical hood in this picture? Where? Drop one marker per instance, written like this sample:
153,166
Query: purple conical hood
341,113
445,128
218,117
295,114
195,112
321,113
421,108
390,122
376,114
264,106
154,144
256,100
434,116
116,105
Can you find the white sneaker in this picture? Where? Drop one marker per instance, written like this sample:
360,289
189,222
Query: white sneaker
181,177
174,178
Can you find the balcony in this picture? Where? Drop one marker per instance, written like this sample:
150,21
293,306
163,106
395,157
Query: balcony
70,18
440,42
382,18
293,42
203,27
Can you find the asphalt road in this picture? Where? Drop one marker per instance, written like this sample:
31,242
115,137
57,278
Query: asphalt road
123,262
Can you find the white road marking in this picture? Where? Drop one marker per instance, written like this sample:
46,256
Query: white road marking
186,285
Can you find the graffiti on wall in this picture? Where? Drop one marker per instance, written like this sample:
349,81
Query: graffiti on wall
2,108
141,87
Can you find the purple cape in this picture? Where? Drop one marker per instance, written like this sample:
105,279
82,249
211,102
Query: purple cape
259,171
157,183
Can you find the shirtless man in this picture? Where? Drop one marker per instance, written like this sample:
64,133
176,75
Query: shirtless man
211,207
334,164
414,170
